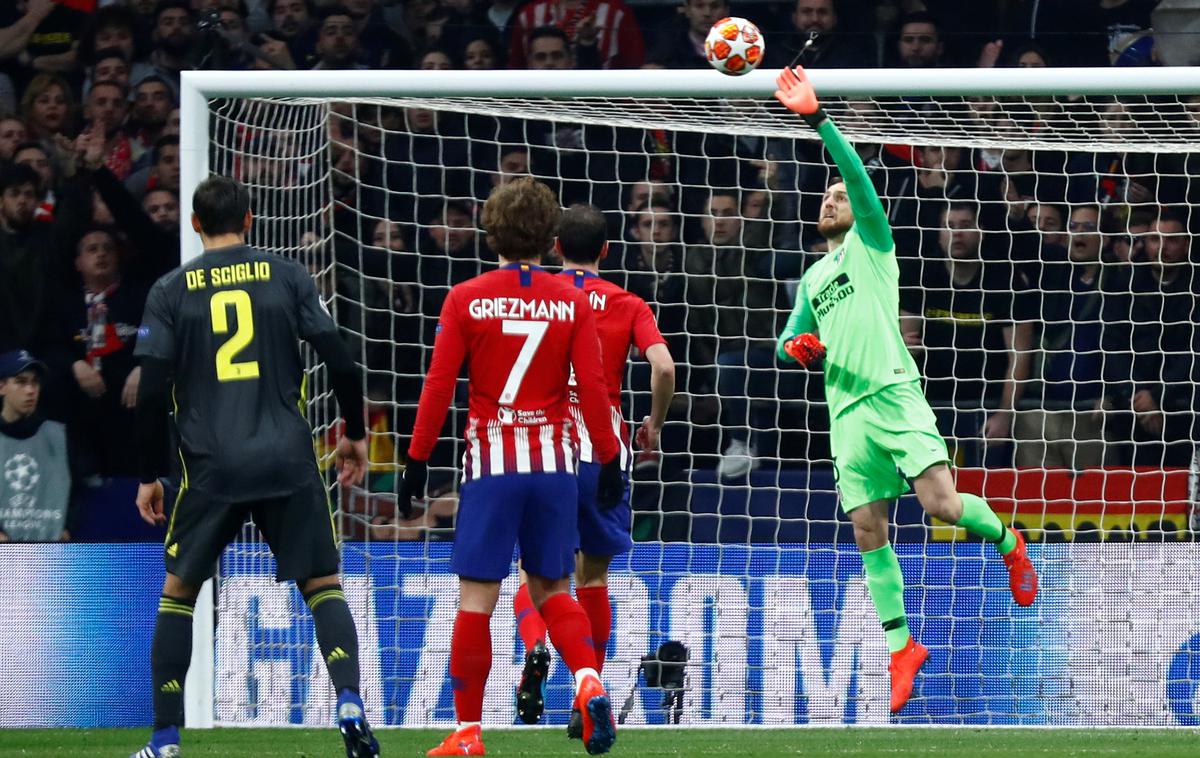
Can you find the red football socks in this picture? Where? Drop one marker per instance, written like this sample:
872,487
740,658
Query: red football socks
595,603
530,625
470,662
569,631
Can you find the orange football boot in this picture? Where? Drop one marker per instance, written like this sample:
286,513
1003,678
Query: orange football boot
903,669
599,728
465,741
1022,577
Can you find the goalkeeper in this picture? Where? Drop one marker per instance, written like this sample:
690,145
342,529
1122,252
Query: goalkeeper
882,429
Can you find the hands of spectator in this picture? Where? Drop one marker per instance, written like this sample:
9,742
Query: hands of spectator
998,426
39,8
1137,193
647,435
90,146
586,31
88,379
65,536
129,392
1149,415
68,156
990,53
4,537
351,461
150,503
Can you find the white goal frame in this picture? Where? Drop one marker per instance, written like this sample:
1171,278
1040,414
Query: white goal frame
198,87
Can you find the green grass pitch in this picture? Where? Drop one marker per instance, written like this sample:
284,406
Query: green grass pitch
309,743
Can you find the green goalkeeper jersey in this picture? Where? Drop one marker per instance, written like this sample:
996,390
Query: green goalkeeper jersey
851,297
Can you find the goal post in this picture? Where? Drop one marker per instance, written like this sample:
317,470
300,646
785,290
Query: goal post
756,573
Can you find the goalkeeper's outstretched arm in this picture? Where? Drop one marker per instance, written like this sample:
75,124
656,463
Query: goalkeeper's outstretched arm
796,92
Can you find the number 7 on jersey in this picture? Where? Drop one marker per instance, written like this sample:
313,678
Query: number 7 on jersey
533,332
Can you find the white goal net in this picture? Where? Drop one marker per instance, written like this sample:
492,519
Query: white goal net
1044,232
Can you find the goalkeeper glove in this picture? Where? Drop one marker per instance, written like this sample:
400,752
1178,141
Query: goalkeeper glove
416,474
611,484
806,349
797,95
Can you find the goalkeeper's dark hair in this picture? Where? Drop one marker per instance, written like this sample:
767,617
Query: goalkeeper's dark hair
520,219
582,234
221,204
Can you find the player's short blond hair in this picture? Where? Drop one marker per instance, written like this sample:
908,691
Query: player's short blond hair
520,219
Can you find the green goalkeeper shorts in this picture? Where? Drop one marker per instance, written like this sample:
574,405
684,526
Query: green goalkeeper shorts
881,441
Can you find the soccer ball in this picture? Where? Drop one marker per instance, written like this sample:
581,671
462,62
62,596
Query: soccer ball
734,46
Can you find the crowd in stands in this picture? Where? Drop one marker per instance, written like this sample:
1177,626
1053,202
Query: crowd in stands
1049,297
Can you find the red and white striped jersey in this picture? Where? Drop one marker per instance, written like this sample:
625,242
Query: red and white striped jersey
623,320
619,40
520,330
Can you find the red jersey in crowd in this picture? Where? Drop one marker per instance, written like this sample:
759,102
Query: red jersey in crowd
619,40
622,319
520,330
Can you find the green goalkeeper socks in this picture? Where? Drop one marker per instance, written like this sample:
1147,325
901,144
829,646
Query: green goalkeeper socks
979,519
886,585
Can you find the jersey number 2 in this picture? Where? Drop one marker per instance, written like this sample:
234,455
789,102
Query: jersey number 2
227,369
533,332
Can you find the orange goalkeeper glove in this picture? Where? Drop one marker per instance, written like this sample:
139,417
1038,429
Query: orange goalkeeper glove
797,95
806,349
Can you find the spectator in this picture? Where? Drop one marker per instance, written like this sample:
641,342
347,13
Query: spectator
162,207
33,155
817,41
1062,432
481,53
549,49
1128,244
101,329
110,65
52,45
436,60
162,173
48,107
153,101
1150,346
681,44
378,46
602,31
337,41
292,24
969,326
174,30
12,133
35,492
152,227
732,306
106,108
16,29
116,27
919,44
1047,218
424,168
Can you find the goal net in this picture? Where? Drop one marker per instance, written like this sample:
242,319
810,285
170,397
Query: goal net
1043,226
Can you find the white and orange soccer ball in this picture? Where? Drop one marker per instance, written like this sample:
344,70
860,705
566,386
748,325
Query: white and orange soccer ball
734,46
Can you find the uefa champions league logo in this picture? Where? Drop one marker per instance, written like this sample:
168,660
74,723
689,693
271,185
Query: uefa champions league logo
21,473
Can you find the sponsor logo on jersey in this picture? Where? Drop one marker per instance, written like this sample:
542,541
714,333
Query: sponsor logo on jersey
833,293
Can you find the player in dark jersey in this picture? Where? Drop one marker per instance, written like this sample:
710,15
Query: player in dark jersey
623,321
520,331
221,336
